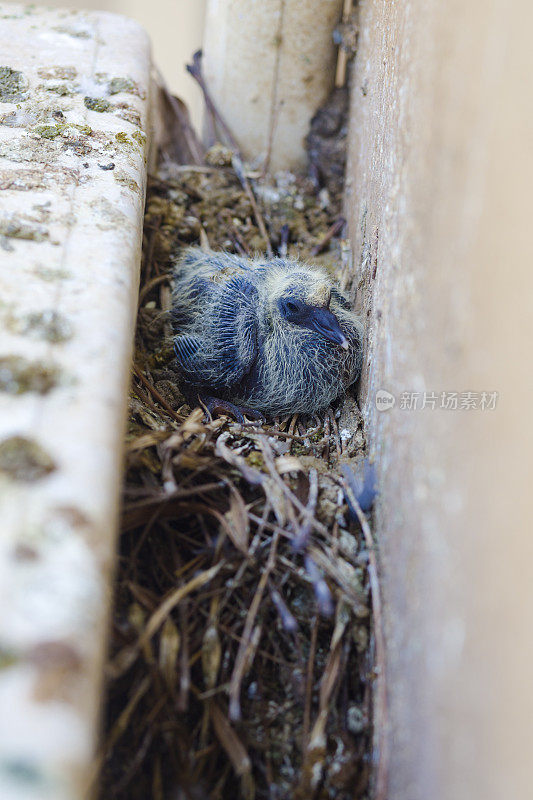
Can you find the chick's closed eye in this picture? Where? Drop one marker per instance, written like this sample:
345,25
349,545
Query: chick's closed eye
276,336
289,308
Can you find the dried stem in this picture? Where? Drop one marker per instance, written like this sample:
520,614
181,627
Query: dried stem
195,69
241,660
332,231
153,391
302,537
381,705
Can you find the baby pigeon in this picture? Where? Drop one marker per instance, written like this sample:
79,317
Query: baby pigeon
272,336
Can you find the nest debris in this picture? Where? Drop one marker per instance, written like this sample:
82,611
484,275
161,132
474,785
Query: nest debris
241,656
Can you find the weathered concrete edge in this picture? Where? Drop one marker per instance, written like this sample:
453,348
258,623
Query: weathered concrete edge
72,235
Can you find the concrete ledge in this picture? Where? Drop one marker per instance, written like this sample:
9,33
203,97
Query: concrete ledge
74,100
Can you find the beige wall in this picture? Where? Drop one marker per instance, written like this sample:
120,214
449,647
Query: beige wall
175,28
440,207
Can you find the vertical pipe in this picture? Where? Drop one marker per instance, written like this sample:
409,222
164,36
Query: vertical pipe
269,66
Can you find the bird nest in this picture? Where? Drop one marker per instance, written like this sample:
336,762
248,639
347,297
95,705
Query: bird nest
242,654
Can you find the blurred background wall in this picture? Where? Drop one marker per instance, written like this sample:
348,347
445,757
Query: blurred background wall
175,28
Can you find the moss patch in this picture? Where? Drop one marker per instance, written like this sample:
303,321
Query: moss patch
99,104
48,131
61,129
119,84
139,137
126,85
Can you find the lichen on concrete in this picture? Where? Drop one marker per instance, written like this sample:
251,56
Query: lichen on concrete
48,131
15,228
18,375
139,137
124,179
28,179
51,274
125,140
126,85
57,73
69,30
62,89
98,104
127,113
23,459
123,110
61,129
49,325
8,657
13,85
109,216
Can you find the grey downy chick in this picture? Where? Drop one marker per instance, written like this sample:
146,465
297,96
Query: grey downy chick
275,335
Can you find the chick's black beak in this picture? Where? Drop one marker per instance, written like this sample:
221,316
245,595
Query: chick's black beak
327,325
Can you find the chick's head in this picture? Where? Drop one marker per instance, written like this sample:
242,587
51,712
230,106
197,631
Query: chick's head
302,299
